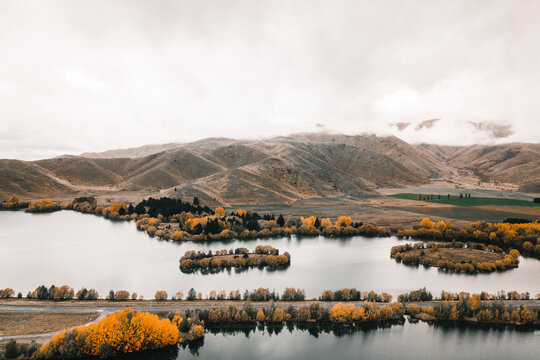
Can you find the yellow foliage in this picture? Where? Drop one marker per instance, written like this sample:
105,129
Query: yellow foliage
13,200
260,316
326,222
426,222
125,331
278,315
342,313
474,302
115,207
219,211
310,221
343,221
241,213
42,205
196,331
161,295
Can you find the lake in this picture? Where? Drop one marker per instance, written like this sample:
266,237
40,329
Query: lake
79,250
409,341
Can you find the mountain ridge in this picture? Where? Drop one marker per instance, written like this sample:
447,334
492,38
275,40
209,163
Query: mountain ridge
277,170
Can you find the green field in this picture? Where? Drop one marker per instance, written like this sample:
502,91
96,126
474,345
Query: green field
473,201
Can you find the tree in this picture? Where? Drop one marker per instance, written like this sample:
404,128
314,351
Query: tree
343,221
121,295
6,293
280,221
161,295
140,209
81,294
125,331
278,315
326,222
192,295
196,332
63,292
92,294
196,201
41,293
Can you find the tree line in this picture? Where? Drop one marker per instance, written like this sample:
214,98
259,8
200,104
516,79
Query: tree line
240,257
471,308
523,236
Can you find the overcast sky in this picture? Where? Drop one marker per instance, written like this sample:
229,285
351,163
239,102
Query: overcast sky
80,76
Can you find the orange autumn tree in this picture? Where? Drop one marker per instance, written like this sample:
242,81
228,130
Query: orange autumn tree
326,222
343,221
125,331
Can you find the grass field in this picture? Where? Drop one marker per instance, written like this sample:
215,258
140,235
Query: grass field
473,201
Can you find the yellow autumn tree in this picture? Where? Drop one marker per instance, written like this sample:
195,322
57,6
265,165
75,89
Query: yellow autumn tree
241,212
278,315
342,313
115,207
196,332
343,221
260,316
310,221
426,222
125,331
219,211
326,222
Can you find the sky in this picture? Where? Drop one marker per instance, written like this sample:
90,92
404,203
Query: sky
78,76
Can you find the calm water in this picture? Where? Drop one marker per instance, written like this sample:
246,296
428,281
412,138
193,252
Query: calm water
409,341
85,250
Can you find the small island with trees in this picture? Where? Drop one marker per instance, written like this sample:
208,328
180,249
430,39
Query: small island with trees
263,255
456,257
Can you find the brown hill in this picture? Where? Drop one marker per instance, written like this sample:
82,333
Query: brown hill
515,163
140,151
279,170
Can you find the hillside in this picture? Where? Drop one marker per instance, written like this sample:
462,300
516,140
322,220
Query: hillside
280,170
514,163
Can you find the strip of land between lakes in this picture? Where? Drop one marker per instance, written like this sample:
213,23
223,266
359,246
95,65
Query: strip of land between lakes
106,306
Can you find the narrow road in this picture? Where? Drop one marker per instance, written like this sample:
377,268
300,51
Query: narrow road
74,306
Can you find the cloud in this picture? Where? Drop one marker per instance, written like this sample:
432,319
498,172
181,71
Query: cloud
81,76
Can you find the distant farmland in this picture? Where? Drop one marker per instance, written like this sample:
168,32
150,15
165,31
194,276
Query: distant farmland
473,201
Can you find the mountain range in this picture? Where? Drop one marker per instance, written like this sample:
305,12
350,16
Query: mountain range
278,170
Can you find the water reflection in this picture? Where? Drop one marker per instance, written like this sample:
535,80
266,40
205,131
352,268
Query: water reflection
233,270
384,341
